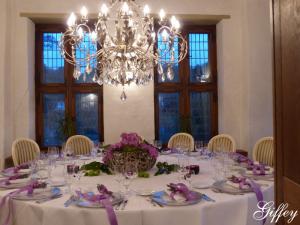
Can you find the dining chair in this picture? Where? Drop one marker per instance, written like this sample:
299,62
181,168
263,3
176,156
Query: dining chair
182,139
24,150
80,144
263,151
222,142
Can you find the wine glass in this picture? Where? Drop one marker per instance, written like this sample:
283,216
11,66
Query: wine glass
130,173
69,174
199,147
157,144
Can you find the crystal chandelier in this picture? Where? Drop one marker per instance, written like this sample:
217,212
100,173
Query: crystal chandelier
124,45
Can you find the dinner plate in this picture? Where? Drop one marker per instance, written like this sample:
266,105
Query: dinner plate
20,172
224,187
168,152
116,199
192,153
202,184
162,197
145,192
38,194
266,177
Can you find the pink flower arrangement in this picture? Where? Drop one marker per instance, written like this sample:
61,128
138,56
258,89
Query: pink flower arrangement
130,142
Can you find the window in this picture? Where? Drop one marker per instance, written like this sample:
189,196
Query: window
188,103
61,101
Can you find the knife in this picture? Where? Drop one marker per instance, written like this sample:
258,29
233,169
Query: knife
124,204
207,198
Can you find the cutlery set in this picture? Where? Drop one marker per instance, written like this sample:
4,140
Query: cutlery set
48,198
121,205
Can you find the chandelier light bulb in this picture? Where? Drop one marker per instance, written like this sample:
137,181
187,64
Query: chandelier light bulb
125,8
146,10
165,35
71,20
80,32
94,36
104,10
84,12
162,14
175,23
153,35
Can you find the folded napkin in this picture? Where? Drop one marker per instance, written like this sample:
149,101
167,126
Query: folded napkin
24,168
244,182
258,169
182,190
15,179
104,197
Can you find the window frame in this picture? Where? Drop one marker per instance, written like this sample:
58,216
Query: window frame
69,87
184,86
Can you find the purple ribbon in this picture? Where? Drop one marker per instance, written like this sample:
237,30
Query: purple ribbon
15,177
258,169
17,168
240,158
182,189
29,188
102,198
243,181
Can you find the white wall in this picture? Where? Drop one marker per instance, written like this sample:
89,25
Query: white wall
244,47
3,28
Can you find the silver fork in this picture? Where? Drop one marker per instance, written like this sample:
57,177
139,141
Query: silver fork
124,204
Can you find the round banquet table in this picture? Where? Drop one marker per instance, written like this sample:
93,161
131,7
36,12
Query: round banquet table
227,210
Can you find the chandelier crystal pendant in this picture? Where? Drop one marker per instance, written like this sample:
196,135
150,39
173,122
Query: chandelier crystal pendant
125,51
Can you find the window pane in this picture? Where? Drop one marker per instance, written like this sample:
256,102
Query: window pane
199,62
87,115
53,62
200,103
163,47
168,115
54,113
86,47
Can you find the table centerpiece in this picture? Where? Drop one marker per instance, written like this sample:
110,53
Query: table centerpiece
131,151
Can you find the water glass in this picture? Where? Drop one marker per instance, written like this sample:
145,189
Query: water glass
130,173
157,144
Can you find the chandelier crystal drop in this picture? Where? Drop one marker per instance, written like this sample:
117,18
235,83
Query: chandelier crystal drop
124,40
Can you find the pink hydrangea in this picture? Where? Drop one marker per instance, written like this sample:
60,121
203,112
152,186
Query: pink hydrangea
132,140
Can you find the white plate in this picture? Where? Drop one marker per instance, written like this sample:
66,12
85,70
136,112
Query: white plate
38,194
116,199
144,192
202,184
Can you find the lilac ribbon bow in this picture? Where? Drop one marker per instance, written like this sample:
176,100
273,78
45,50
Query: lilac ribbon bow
15,177
259,169
104,199
240,158
243,181
17,168
182,189
29,188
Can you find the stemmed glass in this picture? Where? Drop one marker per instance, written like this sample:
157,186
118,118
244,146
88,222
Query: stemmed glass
130,172
157,144
199,147
69,175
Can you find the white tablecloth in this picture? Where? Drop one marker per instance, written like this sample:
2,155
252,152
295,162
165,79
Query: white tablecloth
227,210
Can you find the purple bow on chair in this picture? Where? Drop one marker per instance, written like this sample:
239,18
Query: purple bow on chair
243,181
104,199
182,189
28,188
